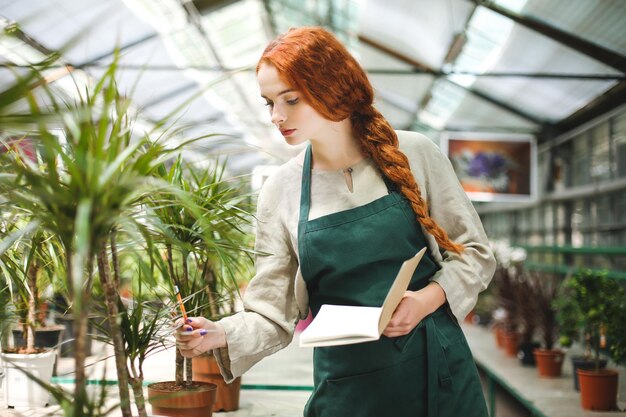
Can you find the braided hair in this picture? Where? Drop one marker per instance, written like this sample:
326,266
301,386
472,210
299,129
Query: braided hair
312,61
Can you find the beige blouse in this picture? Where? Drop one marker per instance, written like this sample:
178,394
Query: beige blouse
277,298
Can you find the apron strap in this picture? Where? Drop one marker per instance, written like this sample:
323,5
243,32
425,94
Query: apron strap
438,371
305,190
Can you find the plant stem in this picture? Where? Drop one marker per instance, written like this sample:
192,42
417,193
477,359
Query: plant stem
116,262
29,335
136,381
111,299
187,361
80,333
180,367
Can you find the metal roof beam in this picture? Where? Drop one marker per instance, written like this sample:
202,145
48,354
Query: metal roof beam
597,52
602,104
426,69
118,49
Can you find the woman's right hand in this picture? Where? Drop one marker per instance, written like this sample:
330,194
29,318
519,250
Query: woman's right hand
199,335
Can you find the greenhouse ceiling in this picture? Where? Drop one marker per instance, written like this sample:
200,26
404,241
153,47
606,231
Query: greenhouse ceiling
511,66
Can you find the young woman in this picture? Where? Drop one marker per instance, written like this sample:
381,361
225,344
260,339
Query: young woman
337,221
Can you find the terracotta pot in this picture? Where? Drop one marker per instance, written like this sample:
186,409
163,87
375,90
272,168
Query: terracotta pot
499,332
549,362
511,343
598,389
205,369
581,362
167,399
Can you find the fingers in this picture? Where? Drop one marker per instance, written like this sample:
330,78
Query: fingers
190,353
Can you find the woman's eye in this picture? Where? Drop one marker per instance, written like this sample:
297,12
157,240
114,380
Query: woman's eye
292,102
269,104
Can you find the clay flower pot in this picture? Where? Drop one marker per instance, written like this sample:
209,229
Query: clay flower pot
598,389
169,399
549,362
511,343
499,333
205,369
580,362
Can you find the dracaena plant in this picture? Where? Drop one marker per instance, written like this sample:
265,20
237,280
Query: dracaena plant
207,249
90,177
145,320
29,264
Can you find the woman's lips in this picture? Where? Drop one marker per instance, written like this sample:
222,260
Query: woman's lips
287,132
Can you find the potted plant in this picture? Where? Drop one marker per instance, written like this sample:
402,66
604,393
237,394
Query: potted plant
82,192
89,181
524,293
25,263
594,302
541,301
203,253
506,287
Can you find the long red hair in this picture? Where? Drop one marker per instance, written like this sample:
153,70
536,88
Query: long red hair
312,61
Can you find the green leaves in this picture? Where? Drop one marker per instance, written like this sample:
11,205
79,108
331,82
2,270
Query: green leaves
593,305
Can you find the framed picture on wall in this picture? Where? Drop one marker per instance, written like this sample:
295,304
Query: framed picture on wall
493,167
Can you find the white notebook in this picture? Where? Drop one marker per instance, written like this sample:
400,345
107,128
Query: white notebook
343,325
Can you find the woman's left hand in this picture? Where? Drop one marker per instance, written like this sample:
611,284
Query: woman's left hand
414,306
408,314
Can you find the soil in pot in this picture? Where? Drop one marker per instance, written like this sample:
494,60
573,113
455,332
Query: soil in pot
205,369
170,399
598,389
549,362
580,362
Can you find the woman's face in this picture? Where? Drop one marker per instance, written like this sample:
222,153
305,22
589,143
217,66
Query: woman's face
295,118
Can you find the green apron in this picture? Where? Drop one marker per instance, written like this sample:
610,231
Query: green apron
350,258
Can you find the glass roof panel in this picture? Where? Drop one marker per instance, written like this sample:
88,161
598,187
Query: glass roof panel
600,21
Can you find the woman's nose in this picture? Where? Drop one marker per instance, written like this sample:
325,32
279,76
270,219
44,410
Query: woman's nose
277,116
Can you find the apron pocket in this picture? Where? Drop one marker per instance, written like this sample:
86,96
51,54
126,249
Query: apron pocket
398,390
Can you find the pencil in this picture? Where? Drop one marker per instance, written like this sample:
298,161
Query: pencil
180,302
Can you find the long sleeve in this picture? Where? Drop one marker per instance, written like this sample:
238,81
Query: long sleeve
462,276
270,312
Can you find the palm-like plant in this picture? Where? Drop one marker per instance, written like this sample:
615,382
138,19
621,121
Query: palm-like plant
86,186
205,247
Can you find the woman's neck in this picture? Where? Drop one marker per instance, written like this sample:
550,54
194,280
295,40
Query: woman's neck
336,149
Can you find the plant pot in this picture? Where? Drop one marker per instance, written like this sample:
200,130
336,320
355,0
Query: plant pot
598,389
45,337
205,369
499,333
67,346
525,353
549,362
511,343
581,362
20,390
168,399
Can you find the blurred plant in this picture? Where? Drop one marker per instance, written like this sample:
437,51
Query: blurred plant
507,284
590,306
544,289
